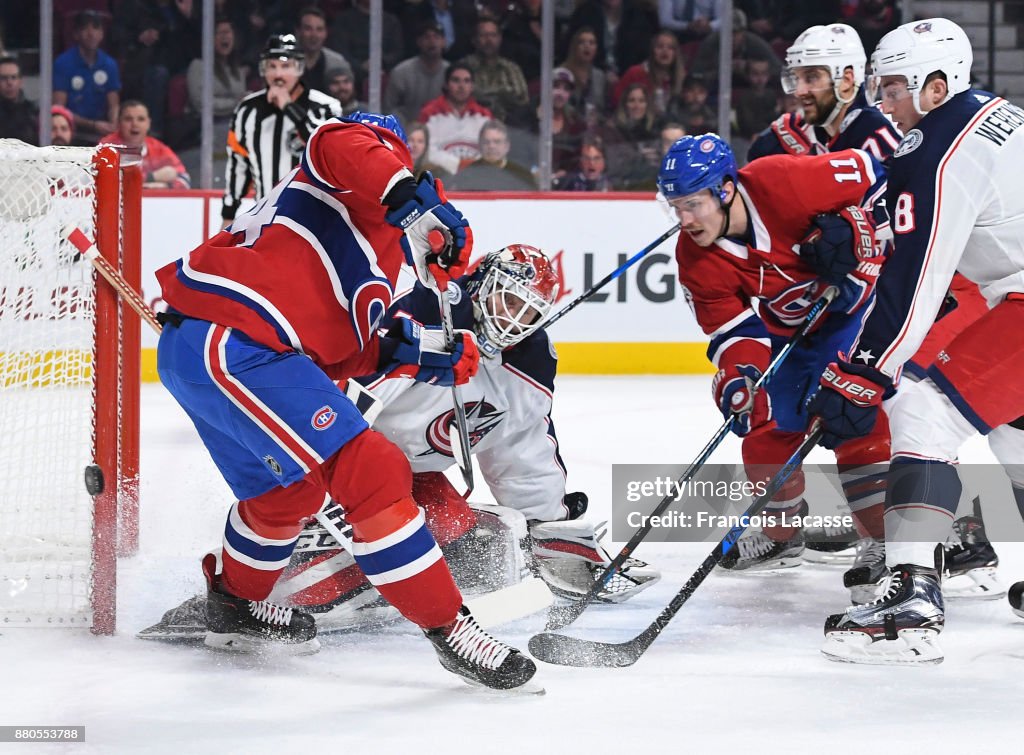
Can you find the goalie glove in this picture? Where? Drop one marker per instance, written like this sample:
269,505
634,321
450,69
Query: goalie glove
418,351
848,401
419,209
843,251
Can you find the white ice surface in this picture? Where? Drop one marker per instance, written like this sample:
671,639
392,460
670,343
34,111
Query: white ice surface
738,669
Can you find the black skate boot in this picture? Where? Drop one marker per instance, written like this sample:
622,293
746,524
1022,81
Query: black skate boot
464,648
900,627
758,552
969,562
865,577
831,545
249,626
1016,598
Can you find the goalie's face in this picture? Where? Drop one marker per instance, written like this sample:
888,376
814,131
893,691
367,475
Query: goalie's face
701,216
515,295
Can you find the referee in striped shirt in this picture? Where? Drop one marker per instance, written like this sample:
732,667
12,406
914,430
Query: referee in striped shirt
269,128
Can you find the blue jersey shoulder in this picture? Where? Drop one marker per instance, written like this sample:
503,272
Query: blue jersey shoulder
534,356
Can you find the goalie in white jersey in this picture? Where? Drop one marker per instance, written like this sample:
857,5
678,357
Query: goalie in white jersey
536,524
956,206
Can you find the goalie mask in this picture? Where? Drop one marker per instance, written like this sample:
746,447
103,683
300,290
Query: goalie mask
513,291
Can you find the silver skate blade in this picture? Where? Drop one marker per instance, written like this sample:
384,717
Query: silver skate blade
976,584
830,558
912,647
560,650
530,689
232,642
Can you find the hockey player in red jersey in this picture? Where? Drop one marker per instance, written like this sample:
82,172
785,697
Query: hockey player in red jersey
263,318
778,233
956,206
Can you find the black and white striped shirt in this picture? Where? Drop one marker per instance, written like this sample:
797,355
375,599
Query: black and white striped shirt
265,143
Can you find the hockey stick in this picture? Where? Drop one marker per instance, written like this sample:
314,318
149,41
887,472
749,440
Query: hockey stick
88,250
562,616
572,651
490,609
610,277
460,439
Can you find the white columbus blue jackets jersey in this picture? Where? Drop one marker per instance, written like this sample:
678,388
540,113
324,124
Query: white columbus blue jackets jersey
956,203
508,408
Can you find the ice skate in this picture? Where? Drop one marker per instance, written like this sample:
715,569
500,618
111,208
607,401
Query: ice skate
465,649
901,627
969,563
1016,598
249,626
865,577
830,545
758,552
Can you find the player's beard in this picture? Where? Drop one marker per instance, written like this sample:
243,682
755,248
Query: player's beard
820,110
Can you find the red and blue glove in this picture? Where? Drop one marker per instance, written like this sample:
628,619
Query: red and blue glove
843,252
848,401
737,399
418,351
419,209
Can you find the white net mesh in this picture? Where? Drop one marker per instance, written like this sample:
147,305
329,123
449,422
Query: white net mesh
47,315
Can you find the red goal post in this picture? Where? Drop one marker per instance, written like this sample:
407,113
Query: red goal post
69,384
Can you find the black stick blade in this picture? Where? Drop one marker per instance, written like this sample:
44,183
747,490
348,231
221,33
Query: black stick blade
560,650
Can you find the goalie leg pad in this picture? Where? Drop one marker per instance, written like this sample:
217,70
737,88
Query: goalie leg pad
569,557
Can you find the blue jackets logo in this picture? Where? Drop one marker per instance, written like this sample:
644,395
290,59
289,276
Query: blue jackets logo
323,418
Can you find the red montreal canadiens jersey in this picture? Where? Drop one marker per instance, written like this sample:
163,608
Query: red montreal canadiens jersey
782,194
312,267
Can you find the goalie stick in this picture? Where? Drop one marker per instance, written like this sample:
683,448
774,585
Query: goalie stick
572,651
563,616
611,276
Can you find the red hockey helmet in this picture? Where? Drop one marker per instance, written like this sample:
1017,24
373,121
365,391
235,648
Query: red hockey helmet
516,289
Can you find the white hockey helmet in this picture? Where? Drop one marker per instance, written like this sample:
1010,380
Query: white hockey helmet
513,292
835,46
920,48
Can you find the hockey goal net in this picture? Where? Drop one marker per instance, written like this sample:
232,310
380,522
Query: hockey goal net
69,385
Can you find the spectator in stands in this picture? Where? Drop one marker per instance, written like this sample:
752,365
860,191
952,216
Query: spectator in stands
521,37
589,96
457,19
493,171
419,79
229,75
758,105
624,30
341,85
498,83
692,20
62,126
662,73
19,117
633,144
591,174
671,132
567,126
746,46
692,109
419,148
311,31
161,168
454,120
351,37
87,81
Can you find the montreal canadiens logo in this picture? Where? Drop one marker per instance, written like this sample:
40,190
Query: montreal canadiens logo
707,145
323,418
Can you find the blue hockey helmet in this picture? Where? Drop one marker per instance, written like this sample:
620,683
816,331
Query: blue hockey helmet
695,163
387,121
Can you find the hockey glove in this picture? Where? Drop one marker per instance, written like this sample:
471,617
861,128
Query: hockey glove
734,392
418,351
575,504
788,129
426,210
842,250
847,401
